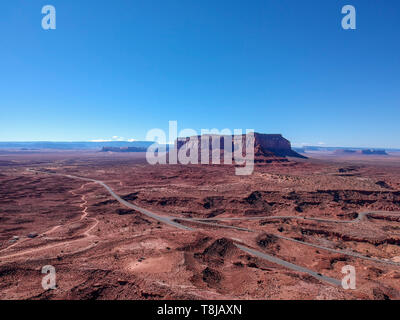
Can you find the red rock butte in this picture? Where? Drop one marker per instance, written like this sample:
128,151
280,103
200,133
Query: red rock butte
271,146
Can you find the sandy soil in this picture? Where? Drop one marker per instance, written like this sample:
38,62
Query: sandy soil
104,250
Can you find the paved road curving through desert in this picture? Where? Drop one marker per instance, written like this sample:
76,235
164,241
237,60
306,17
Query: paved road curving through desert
165,219
289,265
344,252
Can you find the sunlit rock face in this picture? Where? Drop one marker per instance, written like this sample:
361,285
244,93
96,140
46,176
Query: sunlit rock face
265,145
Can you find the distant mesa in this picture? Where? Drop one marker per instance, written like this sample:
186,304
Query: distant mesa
267,147
123,149
367,152
349,151
346,152
374,152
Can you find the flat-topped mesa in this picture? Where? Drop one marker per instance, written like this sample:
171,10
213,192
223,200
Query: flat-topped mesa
364,152
267,147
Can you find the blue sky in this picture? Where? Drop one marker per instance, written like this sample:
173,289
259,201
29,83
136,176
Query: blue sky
121,68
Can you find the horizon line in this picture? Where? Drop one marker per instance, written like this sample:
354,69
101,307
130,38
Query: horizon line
149,141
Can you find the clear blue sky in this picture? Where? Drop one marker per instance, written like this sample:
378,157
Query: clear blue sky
120,68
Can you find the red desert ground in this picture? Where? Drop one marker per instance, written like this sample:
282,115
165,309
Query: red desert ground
115,227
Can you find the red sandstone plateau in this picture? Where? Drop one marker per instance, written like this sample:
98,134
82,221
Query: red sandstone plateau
115,227
267,147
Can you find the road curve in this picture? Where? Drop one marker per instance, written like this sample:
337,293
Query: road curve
344,252
289,265
164,219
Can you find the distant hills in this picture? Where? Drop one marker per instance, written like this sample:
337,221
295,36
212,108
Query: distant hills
124,149
38,145
344,150
374,152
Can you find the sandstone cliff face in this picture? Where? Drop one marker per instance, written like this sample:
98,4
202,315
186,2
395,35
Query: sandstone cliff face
265,145
272,141
275,144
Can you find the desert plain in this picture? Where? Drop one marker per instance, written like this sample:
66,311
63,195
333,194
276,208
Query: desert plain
198,231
